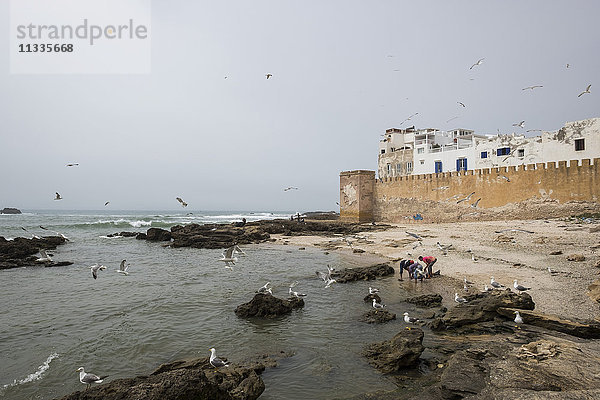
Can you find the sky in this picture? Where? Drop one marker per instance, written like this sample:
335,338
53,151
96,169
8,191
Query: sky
342,73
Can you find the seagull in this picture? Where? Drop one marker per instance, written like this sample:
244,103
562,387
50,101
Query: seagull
377,306
183,203
58,233
72,164
474,205
520,124
533,130
486,288
465,287
236,249
268,75
496,284
461,103
505,177
477,63
467,282
228,257
123,268
414,235
373,290
290,188
519,287
459,299
265,289
88,379
410,320
44,257
466,198
326,277
473,258
58,196
552,272
105,204
216,361
568,65
295,294
409,118
451,119
587,90
32,235
518,318
532,87
95,268
443,248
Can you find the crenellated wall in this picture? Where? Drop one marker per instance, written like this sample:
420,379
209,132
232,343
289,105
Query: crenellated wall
437,194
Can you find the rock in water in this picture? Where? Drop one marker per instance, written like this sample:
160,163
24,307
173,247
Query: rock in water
378,316
426,300
363,273
268,306
9,210
402,351
158,235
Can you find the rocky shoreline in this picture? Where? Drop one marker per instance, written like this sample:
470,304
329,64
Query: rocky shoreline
20,252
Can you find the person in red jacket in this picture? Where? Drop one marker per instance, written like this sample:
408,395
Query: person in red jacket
429,261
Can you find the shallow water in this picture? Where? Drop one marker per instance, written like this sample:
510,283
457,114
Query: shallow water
178,303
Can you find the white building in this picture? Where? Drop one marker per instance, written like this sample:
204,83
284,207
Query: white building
424,151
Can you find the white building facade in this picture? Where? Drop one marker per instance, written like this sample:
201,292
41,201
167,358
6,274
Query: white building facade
424,151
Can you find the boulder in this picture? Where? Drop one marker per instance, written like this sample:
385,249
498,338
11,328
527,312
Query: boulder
582,329
363,273
158,235
378,316
402,351
426,300
21,252
482,307
369,298
9,210
186,379
266,305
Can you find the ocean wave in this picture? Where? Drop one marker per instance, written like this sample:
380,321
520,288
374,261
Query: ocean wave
36,375
122,222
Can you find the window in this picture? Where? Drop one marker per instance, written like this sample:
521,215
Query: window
409,167
504,151
461,164
521,153
382,151
438,167
420,150
398,169
422,162
389,169
484,154
579,144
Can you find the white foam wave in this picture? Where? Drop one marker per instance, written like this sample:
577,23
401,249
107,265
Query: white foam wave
36,375
121,221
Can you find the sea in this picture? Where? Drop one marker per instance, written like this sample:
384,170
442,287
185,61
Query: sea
178,303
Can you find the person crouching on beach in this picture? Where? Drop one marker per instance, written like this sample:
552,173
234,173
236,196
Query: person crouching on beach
415,270
404,264
429,261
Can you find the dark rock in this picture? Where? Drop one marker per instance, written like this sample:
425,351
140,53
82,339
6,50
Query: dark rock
426,300
124,234
556,253
482,307
185,380
9,210
268,306
58,264
378,316
465,374
358,251
141,236
582,329
402,351
158,235
430,314
369,298
363,273
576,257
301,248
20,252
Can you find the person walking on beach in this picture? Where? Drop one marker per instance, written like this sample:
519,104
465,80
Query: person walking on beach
429,261
404,264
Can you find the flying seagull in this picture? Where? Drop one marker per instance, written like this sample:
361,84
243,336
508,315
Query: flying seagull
466,198
518,318
88,379
72,164
414,235
228,257
496,284
216,361
409,118
520,124
183,203
290,188
58,196
44,257
410,320
105,204
95,268
532,87
462,104
268,75
459,299
57,233
519,287
477,63
32,235
326,277
587,90
474,205
123,268
451,119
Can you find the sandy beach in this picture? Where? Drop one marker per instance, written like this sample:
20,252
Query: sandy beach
498,251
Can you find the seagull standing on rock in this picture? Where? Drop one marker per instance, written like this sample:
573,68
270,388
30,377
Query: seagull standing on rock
373,290
88,379
216,361
410,320
377,306
496,284
518,318
459,299
520,288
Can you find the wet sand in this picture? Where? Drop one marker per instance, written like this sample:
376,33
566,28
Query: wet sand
506,255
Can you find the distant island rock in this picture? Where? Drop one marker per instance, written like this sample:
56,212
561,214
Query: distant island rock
9,210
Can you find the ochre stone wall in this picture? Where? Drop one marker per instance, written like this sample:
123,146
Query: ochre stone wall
436,195
356,195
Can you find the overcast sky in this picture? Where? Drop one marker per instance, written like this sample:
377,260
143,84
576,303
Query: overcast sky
343,72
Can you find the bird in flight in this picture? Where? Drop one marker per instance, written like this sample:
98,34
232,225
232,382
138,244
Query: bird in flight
105,204
183,203
95,268
568,65
58,196
451,119
532,87
408,119
290,188
477,63
520,124
461,103
268,75
533,130
72,164
123,268
587,90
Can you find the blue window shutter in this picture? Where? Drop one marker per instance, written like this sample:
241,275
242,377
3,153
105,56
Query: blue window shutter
458,164
464,164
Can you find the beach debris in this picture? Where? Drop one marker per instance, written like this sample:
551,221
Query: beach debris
513,230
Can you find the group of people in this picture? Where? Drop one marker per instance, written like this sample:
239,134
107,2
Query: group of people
416,270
